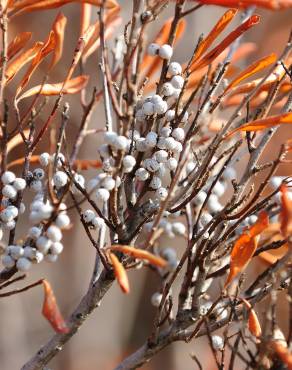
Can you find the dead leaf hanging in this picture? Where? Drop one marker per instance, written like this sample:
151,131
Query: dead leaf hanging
120,273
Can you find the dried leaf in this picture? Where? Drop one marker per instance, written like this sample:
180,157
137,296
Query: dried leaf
257,66
15,66
20,161
86,164
254,325
267,4
51,310
47,48
112,20
264,123
140,254
72,87
86,10
59,29
17,44
286,212
215,32
214,53
23,6
245,246
282,352
120,273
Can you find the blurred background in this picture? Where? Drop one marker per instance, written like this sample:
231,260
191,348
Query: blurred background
122,323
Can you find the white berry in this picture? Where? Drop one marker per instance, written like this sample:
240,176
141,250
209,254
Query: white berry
9,192
165,52
167,89
156,299
8,177
142,174
19,184
177,82
54,233
44,159
60,179
178,133
102,195
23,264
153,49
217,342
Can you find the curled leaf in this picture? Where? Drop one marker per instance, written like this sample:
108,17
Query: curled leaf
47,48
17,44
51,310
15,66
86,10
140,254
286,212
214,53
254,325
59,29
245,246
72,87
257,66
215,32
261,124
120,273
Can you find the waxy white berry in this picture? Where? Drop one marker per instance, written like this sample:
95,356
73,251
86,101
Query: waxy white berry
54,233
155,183
56,248
151,139
156,299
153,49
62,221
178,133
148,108
177,82
160,107
178,228
34,232
165,51
44,159
171,164
170,115
120,142
174,69
39,173
102,195
142,174
217,342
9,192
129,162
98,222
151,164
43,244
161,193
8,177
109,137
60,179
88,215
19,184
7,261
108,183
161,156
167,89
23,264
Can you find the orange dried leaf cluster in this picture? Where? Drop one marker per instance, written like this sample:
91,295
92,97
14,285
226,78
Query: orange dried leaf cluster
51,310
282,352
245,246
120,273
267,4
140,254
227,41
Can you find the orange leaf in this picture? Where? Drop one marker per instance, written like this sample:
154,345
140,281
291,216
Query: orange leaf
150,64
264,123
86,164
59,29
253,321
51,310
286,212
140,254
209,57
86,10
283,353
257,66
216,31
245,246
47,48
120,273
72,87
18,43
20,161
111,21
268,4
23,6
15,66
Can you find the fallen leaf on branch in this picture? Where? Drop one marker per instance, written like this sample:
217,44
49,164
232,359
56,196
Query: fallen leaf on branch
51,310
120,273
140,254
